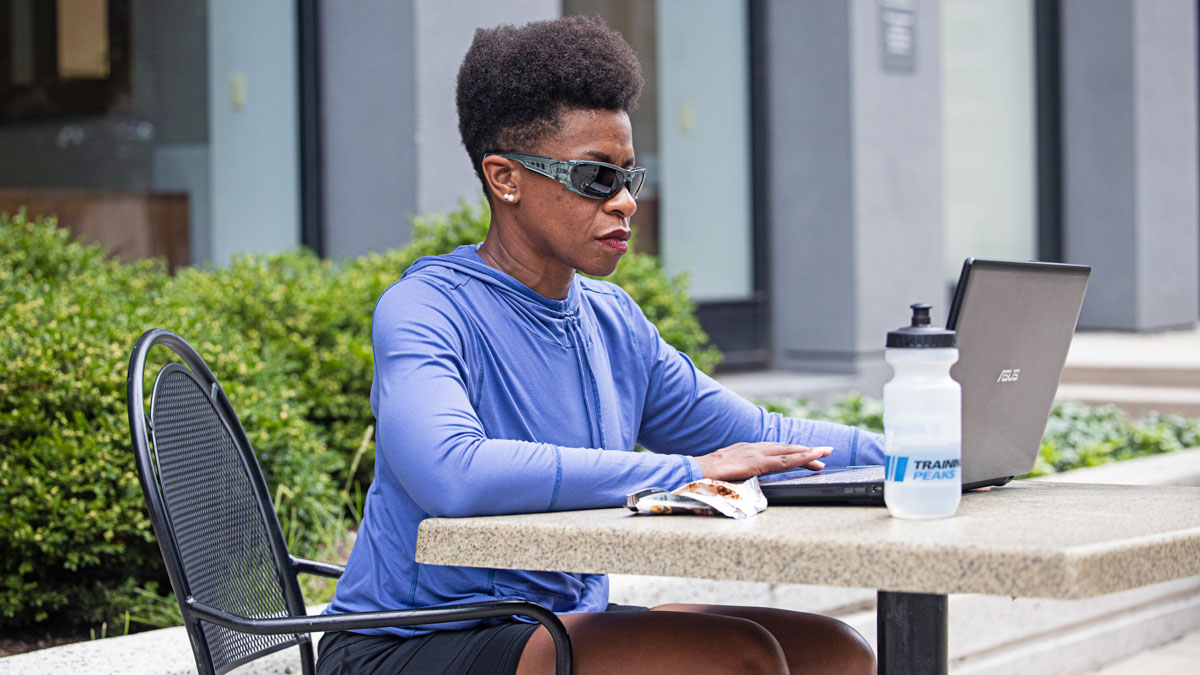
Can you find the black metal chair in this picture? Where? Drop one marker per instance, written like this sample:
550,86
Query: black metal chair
216,526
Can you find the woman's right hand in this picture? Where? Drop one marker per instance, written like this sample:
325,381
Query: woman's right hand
744,460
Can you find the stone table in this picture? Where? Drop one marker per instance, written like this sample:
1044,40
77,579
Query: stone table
1052,540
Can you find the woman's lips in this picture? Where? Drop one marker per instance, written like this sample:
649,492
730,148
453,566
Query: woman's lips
616,244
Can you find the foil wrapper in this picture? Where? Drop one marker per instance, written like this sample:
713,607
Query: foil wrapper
706,497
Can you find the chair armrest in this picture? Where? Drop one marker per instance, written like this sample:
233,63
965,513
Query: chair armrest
401,617
320,569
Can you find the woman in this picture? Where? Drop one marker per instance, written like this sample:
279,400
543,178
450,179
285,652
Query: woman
505,382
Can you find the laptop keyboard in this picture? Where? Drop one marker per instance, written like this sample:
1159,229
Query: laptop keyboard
864,474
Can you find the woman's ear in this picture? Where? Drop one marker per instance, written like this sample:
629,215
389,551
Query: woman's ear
501,176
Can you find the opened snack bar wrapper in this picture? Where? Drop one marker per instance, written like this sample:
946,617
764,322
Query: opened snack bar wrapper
703,497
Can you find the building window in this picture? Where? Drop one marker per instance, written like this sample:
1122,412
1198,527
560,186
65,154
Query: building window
62,58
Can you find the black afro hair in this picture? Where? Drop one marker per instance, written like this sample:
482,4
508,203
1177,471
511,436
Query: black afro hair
516,81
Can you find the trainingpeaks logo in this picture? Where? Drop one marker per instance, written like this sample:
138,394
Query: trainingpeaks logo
896,466
903,468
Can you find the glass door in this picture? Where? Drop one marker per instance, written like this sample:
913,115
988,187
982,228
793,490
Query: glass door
693,131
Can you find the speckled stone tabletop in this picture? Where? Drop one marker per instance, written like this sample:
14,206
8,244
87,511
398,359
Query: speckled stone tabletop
1053,540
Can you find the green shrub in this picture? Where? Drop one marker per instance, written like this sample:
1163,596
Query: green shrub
1078,435
71,534
853,409
287,334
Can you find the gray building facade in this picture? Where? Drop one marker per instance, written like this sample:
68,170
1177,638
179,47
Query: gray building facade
868,145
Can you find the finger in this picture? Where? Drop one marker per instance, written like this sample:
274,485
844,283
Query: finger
790,449
805,454
806,458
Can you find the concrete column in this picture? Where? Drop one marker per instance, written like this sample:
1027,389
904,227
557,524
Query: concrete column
1130,160
368,125
854,203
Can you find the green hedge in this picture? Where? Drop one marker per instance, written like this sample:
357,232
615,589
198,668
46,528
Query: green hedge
287,334
1078,435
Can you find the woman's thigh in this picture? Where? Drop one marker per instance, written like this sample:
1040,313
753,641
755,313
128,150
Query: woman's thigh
811,643
659,642
691,638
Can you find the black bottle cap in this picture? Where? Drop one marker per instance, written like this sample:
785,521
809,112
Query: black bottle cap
921,335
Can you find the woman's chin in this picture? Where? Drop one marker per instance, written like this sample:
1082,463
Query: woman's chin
601,268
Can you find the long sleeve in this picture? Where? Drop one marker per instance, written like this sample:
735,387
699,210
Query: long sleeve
432,440
688,412
486,397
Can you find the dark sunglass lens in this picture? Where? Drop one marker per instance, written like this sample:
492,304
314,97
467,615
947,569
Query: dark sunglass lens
595,180
635,183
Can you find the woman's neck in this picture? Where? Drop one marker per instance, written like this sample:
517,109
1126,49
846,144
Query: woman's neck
515,258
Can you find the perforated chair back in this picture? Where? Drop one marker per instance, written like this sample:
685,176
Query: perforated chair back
230,569
210,509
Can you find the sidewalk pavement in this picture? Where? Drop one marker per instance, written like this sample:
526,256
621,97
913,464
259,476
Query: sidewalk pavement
1136,372
1174,349
1181,656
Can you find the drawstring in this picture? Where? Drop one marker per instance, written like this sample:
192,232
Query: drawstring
575,331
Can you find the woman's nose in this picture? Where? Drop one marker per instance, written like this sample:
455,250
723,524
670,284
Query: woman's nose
621,204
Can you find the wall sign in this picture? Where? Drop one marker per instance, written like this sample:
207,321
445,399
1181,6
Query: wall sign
898,35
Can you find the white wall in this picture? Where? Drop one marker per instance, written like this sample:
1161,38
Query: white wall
988,87
254,150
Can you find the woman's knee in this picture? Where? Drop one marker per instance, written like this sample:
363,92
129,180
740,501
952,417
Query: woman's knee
810,642
722,643
848,651
747,647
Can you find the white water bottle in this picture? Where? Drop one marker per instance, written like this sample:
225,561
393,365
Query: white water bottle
922,421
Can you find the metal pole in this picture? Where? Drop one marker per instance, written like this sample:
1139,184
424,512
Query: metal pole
912,633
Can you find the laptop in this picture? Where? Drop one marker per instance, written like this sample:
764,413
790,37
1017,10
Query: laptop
1015,321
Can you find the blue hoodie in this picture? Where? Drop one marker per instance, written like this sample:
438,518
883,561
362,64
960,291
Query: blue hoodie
491,398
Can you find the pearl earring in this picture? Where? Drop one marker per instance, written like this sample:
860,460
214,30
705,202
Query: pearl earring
509,197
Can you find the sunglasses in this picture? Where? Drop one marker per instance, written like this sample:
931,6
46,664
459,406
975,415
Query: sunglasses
597,180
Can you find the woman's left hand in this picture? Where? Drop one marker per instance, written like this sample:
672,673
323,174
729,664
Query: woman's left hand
744,460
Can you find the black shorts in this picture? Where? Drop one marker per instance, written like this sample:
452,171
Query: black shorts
486,650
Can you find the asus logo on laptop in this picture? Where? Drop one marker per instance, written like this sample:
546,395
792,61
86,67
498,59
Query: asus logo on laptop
1009,375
